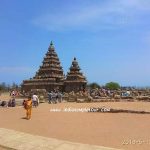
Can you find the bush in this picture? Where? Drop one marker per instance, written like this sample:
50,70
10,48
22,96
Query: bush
112,85
94,85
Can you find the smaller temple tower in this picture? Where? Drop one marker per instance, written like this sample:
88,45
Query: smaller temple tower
75,81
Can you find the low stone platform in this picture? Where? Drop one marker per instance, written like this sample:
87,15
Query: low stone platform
14,140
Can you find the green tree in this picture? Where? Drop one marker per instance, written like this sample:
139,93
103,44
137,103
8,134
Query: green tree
94,85
112,85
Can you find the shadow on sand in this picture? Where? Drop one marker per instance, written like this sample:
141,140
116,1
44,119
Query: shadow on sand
24,118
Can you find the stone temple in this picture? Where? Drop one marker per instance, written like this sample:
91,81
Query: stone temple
50,75
75,81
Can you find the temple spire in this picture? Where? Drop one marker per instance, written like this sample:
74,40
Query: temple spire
51,44
51,47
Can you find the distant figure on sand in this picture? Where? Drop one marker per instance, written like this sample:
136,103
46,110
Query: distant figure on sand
50,97
35,100
28,106
12,103
59,95
3,104
13,93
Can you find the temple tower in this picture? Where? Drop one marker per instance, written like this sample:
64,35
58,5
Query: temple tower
50,74
75,81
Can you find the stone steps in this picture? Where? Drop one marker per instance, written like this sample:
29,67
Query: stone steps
16,140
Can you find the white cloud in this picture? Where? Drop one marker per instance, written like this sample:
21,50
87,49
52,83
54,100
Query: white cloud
97,15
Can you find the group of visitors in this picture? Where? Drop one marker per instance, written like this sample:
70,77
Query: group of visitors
102,92
35,100
10,103
54,97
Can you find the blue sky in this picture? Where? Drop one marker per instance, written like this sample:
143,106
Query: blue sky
110,38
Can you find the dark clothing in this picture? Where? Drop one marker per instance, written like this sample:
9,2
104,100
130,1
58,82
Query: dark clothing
4,103
13,104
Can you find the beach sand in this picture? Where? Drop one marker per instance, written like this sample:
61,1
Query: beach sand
5,96
117,130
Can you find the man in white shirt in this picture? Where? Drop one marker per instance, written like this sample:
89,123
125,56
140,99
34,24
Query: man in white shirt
35,100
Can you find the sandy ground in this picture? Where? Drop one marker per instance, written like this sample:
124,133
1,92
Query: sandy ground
5,96
123,130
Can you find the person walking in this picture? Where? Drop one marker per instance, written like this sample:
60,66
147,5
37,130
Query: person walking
59,94
28,107
50,97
